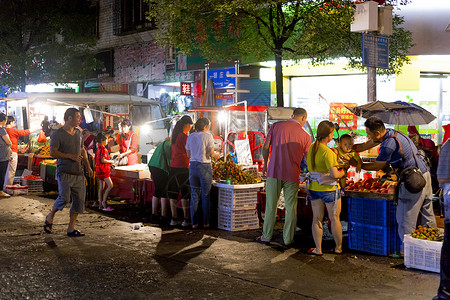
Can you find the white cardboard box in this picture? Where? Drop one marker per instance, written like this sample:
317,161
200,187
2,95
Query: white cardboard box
422,254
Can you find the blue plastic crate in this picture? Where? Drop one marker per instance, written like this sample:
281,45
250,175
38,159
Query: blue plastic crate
372,211
373,239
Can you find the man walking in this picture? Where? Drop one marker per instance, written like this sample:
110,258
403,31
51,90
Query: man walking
287,142
398,150
66,145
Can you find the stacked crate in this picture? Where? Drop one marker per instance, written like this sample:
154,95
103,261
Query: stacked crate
372,226
237,206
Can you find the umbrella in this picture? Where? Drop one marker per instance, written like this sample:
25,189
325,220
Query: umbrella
398,112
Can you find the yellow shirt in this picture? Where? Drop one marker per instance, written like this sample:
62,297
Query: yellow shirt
344,158
325,159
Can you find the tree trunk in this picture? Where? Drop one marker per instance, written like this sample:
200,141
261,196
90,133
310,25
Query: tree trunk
279,78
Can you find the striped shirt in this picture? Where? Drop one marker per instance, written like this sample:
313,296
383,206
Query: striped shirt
443,170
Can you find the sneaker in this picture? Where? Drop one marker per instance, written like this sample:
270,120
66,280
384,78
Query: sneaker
185,223
4,195
174,222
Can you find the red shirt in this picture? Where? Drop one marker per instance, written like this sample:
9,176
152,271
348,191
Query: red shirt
103,170
289,143
14,135
130,140
179,155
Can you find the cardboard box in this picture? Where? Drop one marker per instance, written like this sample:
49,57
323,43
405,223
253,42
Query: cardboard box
422,254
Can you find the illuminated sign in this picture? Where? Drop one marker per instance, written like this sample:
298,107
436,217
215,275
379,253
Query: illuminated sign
186,89
346,115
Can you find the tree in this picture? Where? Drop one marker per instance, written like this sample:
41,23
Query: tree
261,29
45,41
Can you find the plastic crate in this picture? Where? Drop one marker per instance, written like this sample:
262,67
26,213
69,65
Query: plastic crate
238,197
373,239
15,190
237,220
34,186
370,211
422,254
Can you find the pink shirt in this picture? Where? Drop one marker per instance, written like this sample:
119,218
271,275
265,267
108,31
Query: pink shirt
289,142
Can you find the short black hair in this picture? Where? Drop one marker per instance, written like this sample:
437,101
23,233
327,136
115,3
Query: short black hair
299,112
345,137
2,117
101,137
374,124
125,122
201,124
70,112
10,120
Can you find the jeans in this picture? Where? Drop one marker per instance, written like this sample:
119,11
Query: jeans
200,178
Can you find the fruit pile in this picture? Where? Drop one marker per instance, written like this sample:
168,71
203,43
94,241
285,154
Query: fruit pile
44,150
31,177
425,233
370,185
230,172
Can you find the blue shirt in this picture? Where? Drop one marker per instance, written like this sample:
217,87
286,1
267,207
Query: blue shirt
390,152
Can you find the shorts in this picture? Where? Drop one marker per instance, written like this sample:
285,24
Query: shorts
160,180
71,189
179,182
327,197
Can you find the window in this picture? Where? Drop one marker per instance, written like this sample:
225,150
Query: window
130,17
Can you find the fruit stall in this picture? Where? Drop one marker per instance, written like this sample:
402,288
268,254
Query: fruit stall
372,225
237,189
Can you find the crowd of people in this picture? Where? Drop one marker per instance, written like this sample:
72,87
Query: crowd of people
182,173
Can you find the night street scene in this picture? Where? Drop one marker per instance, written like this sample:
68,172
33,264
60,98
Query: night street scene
247,149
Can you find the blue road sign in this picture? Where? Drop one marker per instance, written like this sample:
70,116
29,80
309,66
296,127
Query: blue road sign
220,78
375,51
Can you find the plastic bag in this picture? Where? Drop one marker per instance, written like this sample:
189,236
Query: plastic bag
41,138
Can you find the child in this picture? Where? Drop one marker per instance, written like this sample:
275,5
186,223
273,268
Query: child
103,172
346,157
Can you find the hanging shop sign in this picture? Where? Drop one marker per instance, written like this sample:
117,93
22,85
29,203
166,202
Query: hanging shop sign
185,89
220,79
346,115
375,51
115,88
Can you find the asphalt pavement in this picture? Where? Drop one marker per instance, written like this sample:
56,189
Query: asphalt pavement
123,256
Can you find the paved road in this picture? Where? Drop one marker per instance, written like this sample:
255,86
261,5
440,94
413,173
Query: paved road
115,261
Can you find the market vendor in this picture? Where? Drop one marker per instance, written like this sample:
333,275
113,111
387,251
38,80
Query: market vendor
14,135
398,150
128,142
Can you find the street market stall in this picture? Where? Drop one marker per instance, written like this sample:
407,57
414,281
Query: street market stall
100,111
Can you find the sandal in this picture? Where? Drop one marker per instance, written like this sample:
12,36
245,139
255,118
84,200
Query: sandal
109,208
260,239
75,233
311,252
48,227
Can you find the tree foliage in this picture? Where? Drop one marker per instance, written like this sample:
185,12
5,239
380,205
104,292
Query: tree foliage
266,30
45,41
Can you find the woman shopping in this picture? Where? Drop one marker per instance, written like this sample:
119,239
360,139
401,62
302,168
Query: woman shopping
179,171
323,187
200,149
129,145
5,153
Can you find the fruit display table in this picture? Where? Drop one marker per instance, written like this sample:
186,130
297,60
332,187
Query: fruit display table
129,181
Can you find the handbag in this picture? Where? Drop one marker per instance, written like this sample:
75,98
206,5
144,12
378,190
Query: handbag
412,177
41,138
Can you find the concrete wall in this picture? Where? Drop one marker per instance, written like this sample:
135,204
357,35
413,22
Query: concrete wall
428,21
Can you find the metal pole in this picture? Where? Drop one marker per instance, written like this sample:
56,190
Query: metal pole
236,67
441,78
371,84
206,75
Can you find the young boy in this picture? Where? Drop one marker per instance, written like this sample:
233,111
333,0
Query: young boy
346,157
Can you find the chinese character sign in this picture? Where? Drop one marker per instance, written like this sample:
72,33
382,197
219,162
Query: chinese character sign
186,88
346,115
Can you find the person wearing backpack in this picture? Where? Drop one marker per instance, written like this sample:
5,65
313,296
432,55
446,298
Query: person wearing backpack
414,190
